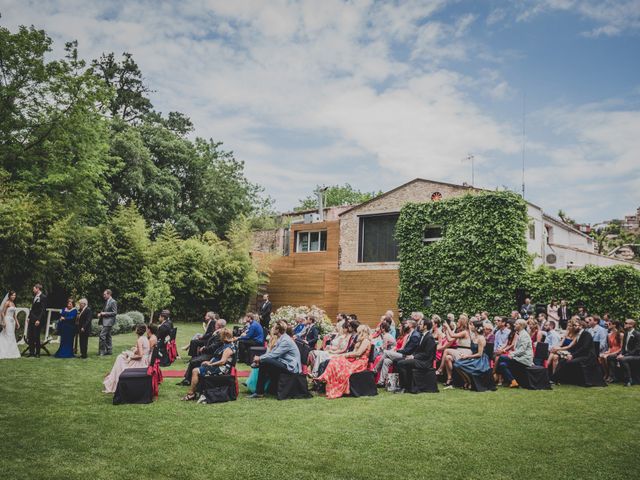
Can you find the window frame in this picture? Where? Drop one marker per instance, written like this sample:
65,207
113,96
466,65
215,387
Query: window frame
320,233
432,239
361,237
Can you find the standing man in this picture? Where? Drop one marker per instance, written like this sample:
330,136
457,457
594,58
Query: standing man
107,320
36,320
265,312
84,326
564,314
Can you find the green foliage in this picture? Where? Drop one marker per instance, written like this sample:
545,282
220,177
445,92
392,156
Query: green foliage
137,317
90,174
613,289
337,195
202,273
477,264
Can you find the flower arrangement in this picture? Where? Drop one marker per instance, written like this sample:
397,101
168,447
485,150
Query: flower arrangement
289,313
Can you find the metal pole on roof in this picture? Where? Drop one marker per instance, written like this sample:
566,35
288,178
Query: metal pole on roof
524,96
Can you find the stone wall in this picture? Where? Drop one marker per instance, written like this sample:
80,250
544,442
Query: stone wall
267,241
415,191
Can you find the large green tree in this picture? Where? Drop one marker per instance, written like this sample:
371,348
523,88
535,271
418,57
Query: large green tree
337,195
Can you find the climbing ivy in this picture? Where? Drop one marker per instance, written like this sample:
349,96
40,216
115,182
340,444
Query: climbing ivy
481,259
477,264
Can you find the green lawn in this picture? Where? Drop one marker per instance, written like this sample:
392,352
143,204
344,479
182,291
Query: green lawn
55,423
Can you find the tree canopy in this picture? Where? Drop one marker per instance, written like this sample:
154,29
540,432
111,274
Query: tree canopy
91,174
337,195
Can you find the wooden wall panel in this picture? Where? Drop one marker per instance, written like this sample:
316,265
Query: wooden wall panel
307,278
368,293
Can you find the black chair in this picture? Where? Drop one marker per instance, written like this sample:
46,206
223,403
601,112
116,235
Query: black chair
220,388
541,355
135,385
532,378
290,386
581,374
620,376
424,381
488,350
363,384
483,383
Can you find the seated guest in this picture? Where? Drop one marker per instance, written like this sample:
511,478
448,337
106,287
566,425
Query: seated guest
534,331
552,336
165,326
338,345
200,340
462,337
506,348
422,358
522,354
581,353
501,333
392,326
253,337
342,366
152,331
389,356
487,332
560,351
219,364
384,340
598,333
614,341
309,334
284,357
475,363
630,351
582,313
526,310
137,357
300,324
204,353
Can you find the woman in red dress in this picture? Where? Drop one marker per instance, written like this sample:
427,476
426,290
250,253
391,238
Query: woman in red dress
341,367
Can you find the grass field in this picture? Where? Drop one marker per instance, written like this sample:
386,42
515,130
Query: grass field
55,424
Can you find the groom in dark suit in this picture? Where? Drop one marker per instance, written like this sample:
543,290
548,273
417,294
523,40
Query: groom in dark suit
36,319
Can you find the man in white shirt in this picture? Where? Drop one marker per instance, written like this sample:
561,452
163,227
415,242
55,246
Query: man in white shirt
553,337
598,333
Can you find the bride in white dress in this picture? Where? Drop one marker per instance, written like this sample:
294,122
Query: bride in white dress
8,345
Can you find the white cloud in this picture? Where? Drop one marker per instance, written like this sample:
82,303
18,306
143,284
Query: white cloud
363,92
613,17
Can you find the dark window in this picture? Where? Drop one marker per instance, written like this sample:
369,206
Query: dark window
377,241
311,242
432,233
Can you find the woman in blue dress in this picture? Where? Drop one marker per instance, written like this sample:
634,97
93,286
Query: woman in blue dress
477,362
67,330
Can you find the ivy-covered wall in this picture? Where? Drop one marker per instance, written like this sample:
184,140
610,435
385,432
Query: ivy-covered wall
615,290
482,259
478,263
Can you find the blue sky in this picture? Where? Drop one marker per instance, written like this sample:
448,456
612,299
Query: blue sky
378,93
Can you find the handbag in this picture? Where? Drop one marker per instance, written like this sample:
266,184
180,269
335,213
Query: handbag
393,382
252,381
218,394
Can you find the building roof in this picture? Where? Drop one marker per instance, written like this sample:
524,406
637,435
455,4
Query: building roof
565,225
382,195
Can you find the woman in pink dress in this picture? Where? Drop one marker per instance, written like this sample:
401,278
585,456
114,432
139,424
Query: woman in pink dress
341,367
137,357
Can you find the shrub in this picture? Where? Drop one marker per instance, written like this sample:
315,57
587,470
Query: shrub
289,314
137,317
615,289
124,324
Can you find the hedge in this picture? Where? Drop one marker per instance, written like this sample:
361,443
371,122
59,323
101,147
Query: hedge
615,289
124,323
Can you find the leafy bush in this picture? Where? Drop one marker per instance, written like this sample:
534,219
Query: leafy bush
137,317
289,314
613,289
476,265
124,324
